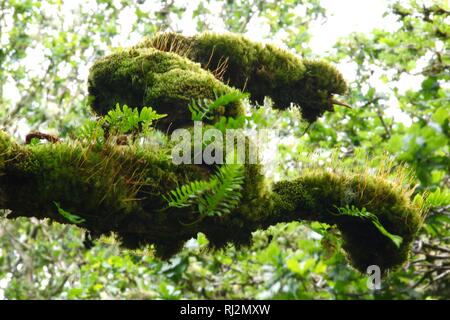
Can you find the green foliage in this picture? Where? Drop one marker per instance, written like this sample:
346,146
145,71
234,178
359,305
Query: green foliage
438,198
91,131
186,195
131,120
69,216
225,123
121,120
401,108
216,197
202,109
289,261
364,214
225,193
58,59
438,204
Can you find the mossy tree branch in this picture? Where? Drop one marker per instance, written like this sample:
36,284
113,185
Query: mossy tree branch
261,70
110,188
119,189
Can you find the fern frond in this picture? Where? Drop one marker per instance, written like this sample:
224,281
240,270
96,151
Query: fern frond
125,119
225,194
228,98
216,197
185,195
199,110
364,214
203,108
438,198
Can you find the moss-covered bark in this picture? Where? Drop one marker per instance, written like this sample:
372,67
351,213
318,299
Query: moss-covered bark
148,77
161,72
119,189
261,70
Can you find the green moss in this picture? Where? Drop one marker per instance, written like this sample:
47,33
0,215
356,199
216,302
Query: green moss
114,189
5,142
147,77
119,189
261,70
318,195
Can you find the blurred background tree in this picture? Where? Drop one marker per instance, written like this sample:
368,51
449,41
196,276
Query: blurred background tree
400,93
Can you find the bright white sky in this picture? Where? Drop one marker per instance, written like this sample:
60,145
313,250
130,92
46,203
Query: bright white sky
345,17
348,16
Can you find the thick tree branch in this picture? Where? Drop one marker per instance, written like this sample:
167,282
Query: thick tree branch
119,189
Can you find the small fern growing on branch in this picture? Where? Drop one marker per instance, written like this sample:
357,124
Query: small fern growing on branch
364,214
202,109
186,195
130,120
225,194
216,197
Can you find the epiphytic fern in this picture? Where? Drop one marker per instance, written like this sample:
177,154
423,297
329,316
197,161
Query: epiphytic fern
225,194
203,108
125,119
364,214
215,197
186,195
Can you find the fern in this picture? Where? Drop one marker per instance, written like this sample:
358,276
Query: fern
69,216
203,108
216,197
438,198
125,119
185,195
228,98
200,109
364,214
91,130
224,195
225,123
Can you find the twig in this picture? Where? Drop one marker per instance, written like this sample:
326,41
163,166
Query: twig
40,136
436,247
